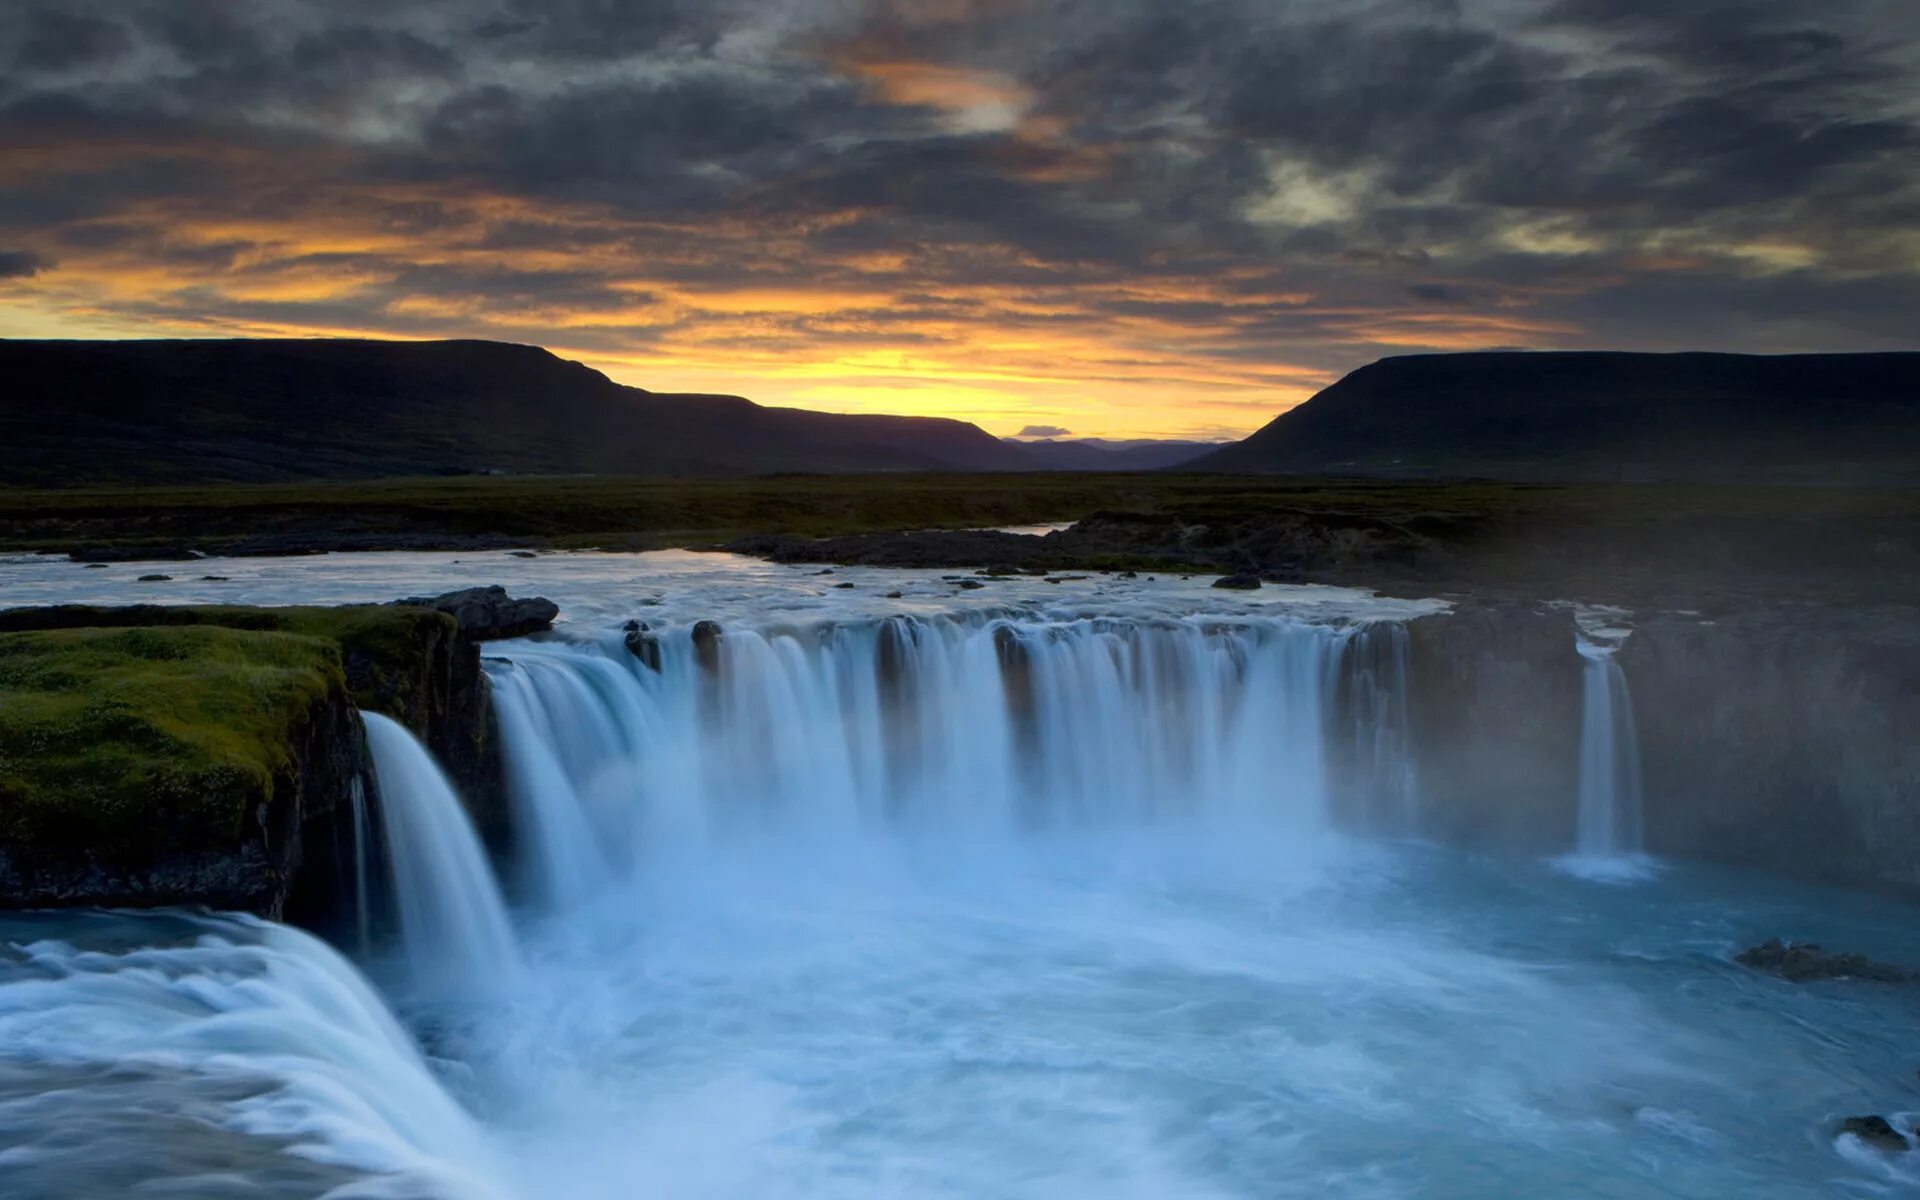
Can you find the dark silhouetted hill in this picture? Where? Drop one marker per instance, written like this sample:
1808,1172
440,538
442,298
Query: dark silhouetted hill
1803,418
1103,454
262,410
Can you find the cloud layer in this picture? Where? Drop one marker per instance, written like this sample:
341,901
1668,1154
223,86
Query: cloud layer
1123,216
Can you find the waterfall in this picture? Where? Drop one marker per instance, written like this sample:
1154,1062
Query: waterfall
453,925
1609,810
201,1049
362,875
974,727
1379,786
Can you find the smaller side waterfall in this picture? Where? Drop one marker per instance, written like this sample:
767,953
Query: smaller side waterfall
453,924
1374,735
1609,814
362,881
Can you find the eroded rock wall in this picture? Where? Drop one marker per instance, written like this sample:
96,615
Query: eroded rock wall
1783,739
1495,696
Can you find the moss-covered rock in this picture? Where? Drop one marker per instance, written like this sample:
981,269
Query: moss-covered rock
158,754
381,645
409,663
155,765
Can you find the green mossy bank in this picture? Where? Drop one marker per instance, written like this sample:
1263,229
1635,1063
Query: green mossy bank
208,755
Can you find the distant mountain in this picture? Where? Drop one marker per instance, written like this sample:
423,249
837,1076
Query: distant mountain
1102,454
260,410
1815,418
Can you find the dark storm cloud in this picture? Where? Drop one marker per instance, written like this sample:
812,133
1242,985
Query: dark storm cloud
1316,182
20,264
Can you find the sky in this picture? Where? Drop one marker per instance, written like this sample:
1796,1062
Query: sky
1124,218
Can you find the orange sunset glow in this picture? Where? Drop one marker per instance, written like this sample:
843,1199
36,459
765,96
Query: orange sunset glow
1002,212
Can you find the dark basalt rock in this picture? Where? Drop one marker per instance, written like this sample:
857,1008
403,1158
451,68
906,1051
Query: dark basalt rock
156,579
642,644
1875,1131
1805,962
153,552
706,644
1238,583
488,613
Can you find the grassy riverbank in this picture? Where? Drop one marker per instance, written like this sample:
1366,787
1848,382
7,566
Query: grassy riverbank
1782,539
579,511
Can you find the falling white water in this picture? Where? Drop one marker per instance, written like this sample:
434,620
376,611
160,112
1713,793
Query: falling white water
362,869
561,859
1380,788
213,1056
966,728
453,925
1609,807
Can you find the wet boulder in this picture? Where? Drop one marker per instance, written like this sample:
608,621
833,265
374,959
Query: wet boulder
488,613
706,644
1875,1131
642,644
1805,962
1238,583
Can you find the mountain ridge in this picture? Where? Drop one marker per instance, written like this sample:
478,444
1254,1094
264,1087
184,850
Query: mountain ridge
1597,416
262,410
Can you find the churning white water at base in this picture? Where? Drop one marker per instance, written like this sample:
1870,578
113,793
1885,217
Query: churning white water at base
1168,1015
1140,1015
453,925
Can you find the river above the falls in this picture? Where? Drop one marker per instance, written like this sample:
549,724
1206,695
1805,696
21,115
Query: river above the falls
595,589
1047,891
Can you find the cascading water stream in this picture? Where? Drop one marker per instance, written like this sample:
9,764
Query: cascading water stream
974,728
1011,903
214,1056
453,924
1610,824
1373,734
362,870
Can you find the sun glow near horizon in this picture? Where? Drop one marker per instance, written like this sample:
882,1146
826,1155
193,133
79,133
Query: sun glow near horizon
1010,213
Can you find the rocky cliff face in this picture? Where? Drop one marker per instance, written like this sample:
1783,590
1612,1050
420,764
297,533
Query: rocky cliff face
1778,738
1494,691
1783,739
431,682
